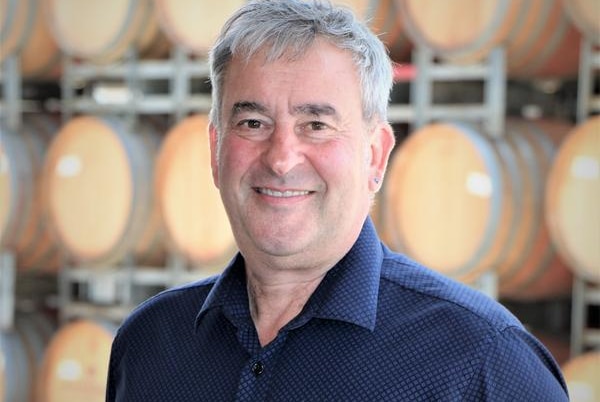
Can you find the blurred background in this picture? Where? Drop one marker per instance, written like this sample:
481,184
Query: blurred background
106,195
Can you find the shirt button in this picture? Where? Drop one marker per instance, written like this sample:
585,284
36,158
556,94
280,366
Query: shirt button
258,368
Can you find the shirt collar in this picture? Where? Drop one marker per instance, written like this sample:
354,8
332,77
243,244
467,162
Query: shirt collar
348,292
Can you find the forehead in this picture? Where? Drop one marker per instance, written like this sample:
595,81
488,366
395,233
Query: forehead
324,74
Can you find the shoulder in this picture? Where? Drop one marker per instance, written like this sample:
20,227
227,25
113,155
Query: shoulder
176,305
415,284
463,328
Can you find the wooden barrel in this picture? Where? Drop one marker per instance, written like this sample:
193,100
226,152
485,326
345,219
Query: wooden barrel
464,30
584,14
539,39
190,204
24,32
572,199
532,269
98,191
384,19
449,199
544,44
581,376
21,354
75,363
104,30
23,225
194,24
463,203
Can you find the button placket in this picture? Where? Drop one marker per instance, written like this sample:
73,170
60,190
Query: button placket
254,382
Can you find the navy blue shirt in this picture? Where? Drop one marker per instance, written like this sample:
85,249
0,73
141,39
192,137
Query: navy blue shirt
379,327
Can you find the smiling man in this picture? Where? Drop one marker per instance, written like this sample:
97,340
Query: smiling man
315,307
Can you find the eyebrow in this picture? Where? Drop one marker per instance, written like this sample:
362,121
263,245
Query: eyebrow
315,109
311,109
247,106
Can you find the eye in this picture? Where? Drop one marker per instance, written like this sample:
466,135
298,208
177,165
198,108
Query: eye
250,123
317,125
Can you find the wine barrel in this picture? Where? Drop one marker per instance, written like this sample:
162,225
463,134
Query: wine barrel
24,32
194,24
584,14
449,200
572,198
533,269
23,226
21,353
544,44
103,31
190,204
581,376
465,30
463,203
384,19
538,38
75,363
98,191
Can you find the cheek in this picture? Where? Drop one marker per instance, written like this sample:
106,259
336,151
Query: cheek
345,164
235,156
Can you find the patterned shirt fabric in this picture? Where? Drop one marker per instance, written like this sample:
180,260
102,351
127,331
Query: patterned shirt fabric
379,327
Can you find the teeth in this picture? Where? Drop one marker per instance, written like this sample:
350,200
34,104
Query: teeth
282,194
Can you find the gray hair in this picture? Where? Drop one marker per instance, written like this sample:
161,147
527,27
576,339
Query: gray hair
288,28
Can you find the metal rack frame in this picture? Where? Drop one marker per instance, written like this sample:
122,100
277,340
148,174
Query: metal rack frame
585,294
108,291
490,112
10,118
589,63
130,74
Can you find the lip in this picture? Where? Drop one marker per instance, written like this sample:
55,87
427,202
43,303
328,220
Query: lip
282,196
271,192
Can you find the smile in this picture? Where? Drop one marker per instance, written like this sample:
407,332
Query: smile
282,194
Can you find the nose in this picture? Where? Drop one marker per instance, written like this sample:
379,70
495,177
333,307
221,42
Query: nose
283,151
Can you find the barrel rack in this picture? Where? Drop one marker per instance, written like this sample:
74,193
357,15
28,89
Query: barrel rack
490,112
585,292
10,118
128,89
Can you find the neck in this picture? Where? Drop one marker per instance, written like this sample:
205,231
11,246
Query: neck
275,303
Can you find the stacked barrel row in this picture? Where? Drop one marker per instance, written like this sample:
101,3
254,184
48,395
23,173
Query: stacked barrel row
523,205
43,364
94,190
541,36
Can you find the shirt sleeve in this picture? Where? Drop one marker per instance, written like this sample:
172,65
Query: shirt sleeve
113,377
517,367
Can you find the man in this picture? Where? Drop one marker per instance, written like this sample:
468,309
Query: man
315,307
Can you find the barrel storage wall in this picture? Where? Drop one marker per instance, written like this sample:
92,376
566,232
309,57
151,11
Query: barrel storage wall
106,192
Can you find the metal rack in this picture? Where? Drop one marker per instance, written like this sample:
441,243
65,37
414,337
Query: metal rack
422,109
589,63
8,277
585,293
111,292
10,118
490,112
126,84
10,81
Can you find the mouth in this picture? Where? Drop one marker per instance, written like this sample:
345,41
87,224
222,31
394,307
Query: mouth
282,194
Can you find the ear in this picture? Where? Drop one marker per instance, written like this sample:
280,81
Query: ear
381,145
213,138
